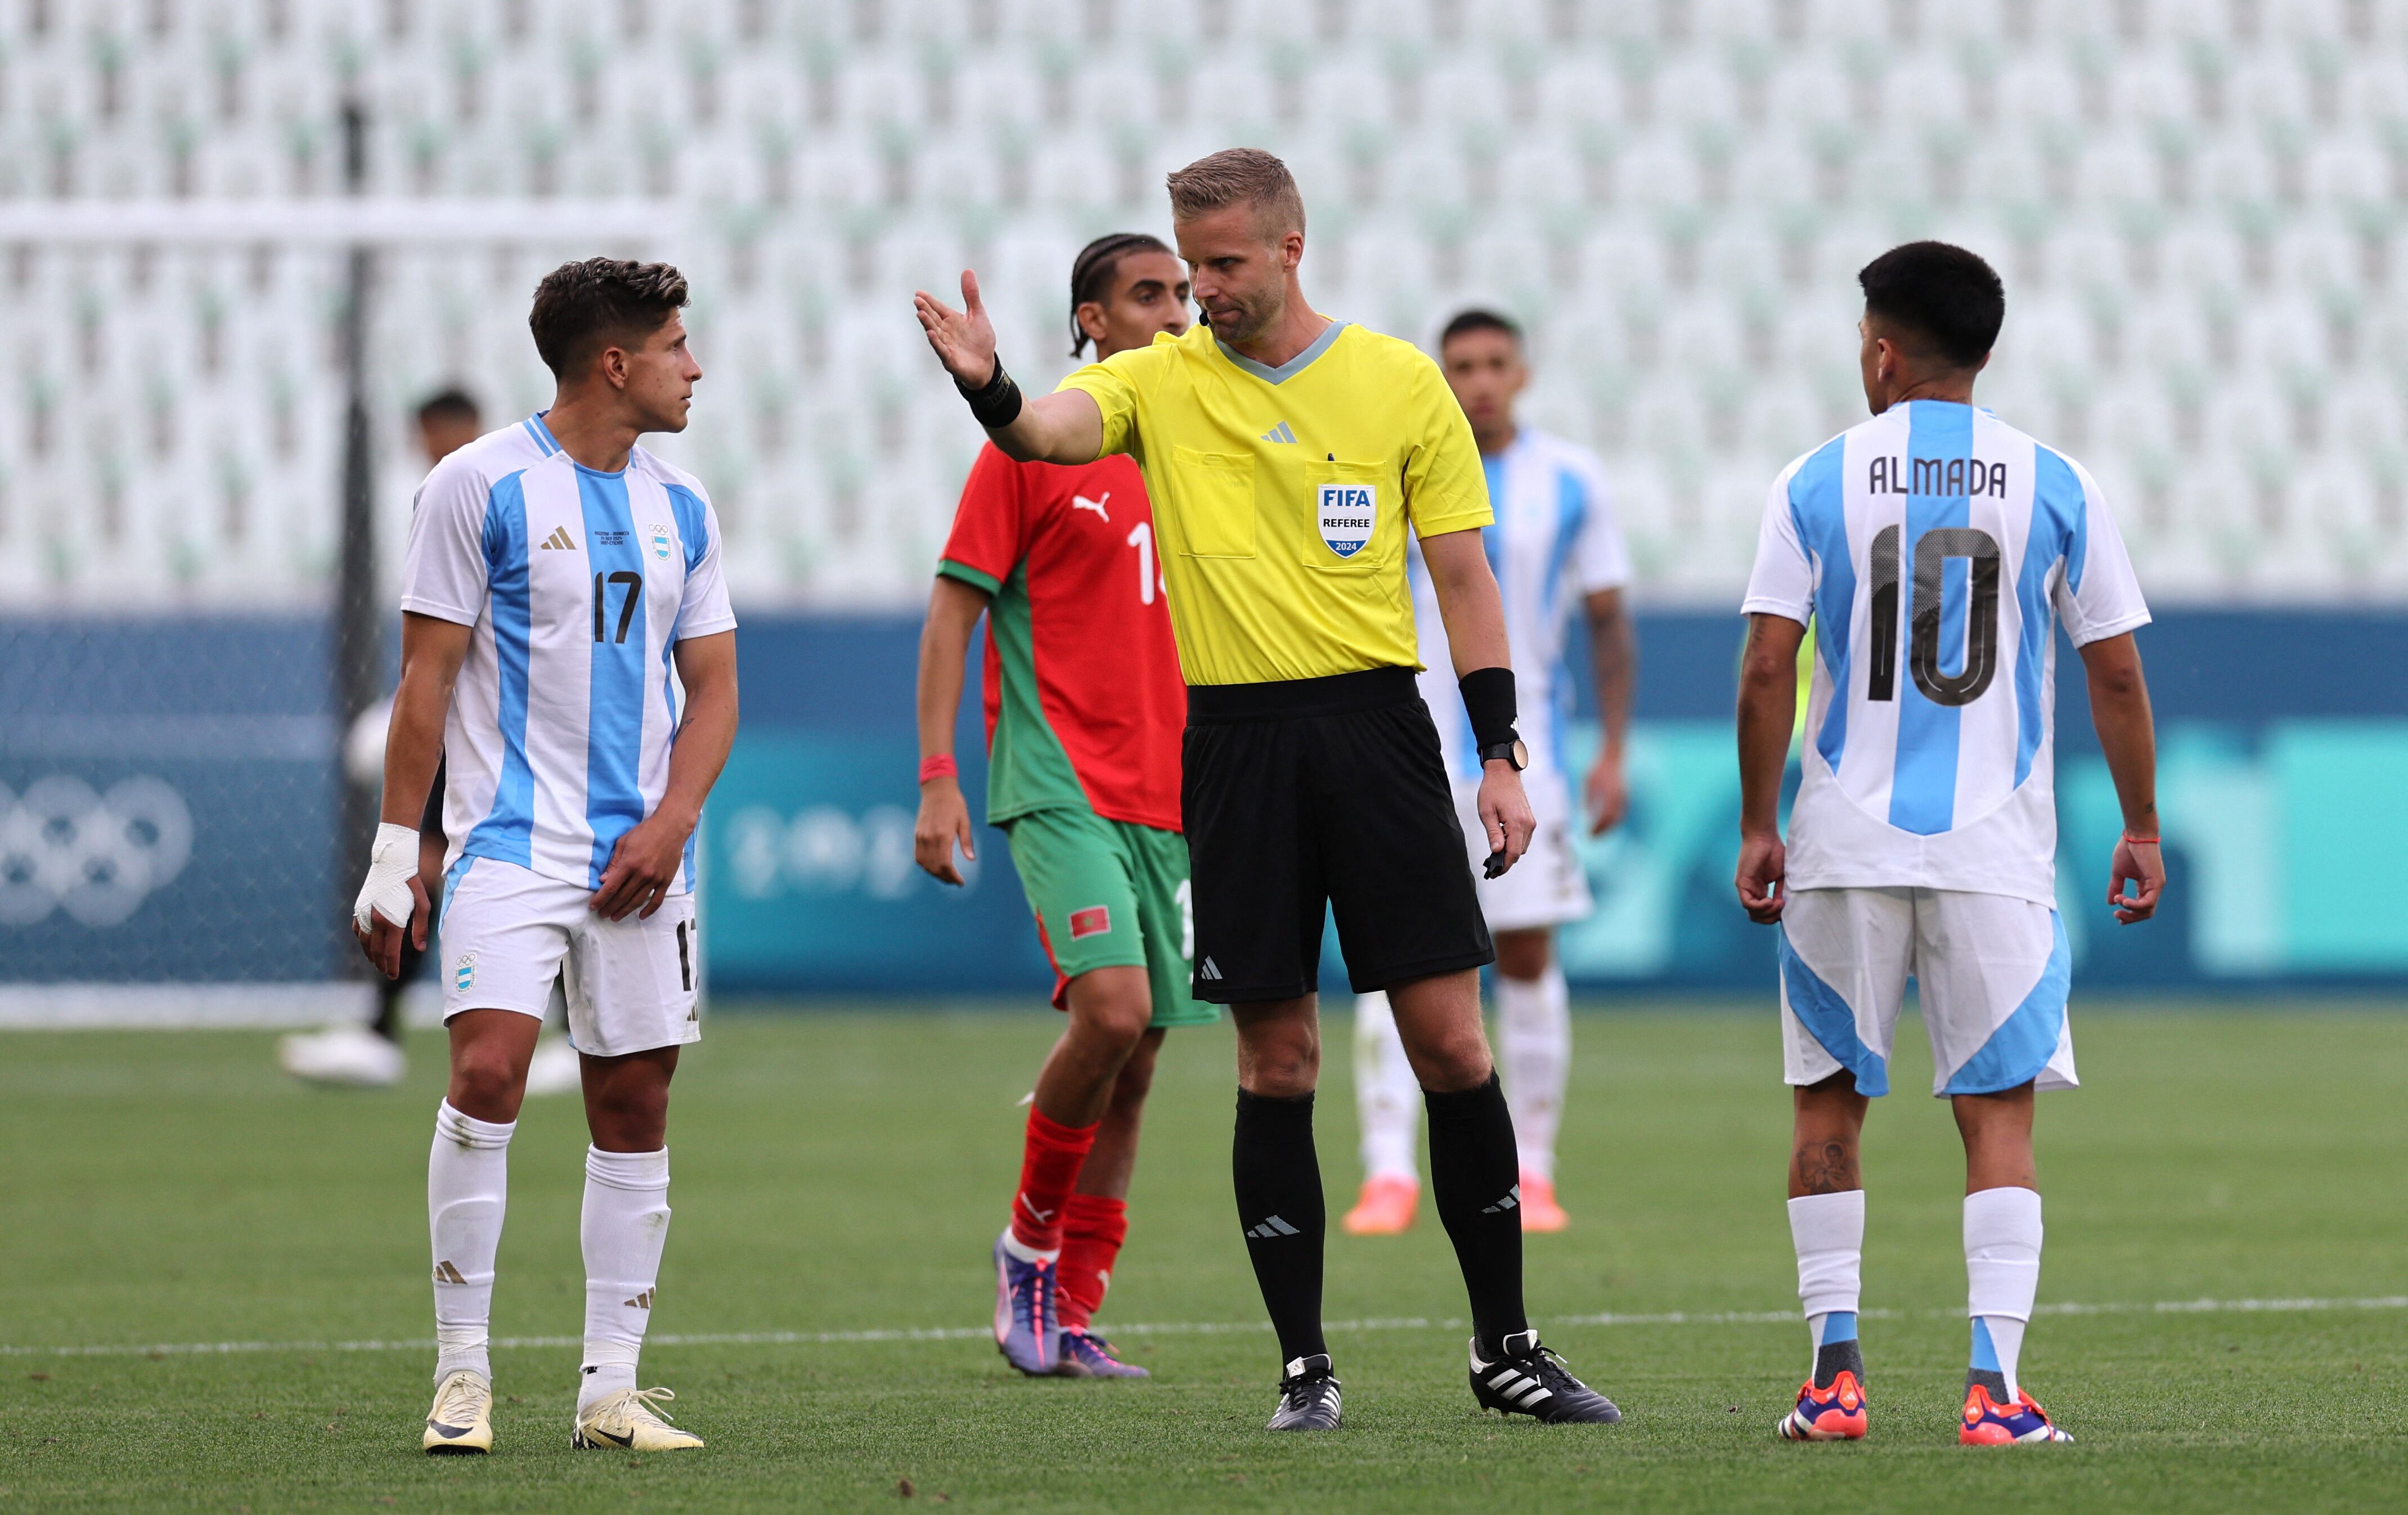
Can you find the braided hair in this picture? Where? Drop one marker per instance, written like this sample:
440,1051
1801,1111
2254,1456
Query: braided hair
1091,275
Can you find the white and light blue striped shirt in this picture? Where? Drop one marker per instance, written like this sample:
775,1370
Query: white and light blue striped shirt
1935,548
578,584
1554,543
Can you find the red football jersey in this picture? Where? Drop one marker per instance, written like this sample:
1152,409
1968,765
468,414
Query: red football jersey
1084,699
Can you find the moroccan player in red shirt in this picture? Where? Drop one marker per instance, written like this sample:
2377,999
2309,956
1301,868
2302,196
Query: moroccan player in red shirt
1086,706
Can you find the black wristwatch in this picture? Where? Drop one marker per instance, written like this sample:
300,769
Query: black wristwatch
1512,751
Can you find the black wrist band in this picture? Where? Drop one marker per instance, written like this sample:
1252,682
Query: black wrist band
1488,700
995,404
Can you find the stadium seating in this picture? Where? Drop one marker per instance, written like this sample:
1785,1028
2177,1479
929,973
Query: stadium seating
2198,205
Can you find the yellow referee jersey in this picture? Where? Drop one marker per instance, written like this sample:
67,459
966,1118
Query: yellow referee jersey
1283,495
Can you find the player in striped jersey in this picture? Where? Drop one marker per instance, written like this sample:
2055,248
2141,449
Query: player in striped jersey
1556,552
1936,550
555,571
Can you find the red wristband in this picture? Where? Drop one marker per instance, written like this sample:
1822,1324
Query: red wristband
2141,841
938,766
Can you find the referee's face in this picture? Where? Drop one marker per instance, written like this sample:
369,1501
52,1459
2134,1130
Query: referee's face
1241,275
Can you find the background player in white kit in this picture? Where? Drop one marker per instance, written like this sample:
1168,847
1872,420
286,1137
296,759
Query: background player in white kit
1936,550
555,569
1556,551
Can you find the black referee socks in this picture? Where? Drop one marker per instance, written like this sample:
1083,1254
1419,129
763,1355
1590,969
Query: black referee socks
1277,1177
1475,1178
1475,1174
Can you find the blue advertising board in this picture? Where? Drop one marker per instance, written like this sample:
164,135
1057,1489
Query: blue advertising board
809,865
810,884
2282,742
168,788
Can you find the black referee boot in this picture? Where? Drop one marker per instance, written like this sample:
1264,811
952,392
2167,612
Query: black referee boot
1307,1396
1529,1380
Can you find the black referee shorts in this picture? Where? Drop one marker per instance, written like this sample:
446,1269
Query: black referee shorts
1314,793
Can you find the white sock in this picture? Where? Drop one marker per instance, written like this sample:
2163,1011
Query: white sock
1534,1052
1388,1096
1828,1233
2002,1236
1015,1248
625,1221
467,1187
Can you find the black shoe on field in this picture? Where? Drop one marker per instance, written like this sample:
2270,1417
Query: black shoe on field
1529,1380
1307,1396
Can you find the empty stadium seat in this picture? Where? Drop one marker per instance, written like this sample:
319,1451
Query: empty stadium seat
2197,205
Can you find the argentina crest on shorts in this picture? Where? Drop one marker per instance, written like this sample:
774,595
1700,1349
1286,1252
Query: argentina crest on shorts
1348,512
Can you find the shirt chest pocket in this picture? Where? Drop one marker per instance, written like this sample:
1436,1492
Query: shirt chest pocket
1344,510
1214,496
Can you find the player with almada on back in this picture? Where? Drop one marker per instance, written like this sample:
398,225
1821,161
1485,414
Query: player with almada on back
1084,706
555,570
1936,550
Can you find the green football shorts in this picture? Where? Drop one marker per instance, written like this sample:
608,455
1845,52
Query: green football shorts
1110,893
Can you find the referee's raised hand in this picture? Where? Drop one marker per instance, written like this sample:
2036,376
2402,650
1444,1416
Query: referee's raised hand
963,339
1064,428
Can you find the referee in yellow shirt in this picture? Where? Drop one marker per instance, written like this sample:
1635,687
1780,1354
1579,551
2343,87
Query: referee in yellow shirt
1287,455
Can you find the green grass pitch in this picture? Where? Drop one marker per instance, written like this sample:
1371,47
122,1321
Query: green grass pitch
845,1173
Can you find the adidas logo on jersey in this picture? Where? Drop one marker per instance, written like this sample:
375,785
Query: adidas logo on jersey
560,541
1271,1229
1280,434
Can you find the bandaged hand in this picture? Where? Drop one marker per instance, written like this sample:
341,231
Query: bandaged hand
392,863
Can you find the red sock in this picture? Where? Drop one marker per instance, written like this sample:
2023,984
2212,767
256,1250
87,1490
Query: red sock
1093,1229
1049,1166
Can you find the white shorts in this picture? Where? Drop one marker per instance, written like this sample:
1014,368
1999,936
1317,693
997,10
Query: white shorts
509,933
1992,971
1548,886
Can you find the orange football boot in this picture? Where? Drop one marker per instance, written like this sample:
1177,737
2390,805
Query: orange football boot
1540,1211
1989,1424
1385,1207
1836,1413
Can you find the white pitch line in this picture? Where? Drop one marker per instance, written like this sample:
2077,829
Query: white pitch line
1197,1328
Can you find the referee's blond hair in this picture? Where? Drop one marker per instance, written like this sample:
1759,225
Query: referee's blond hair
1235,176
